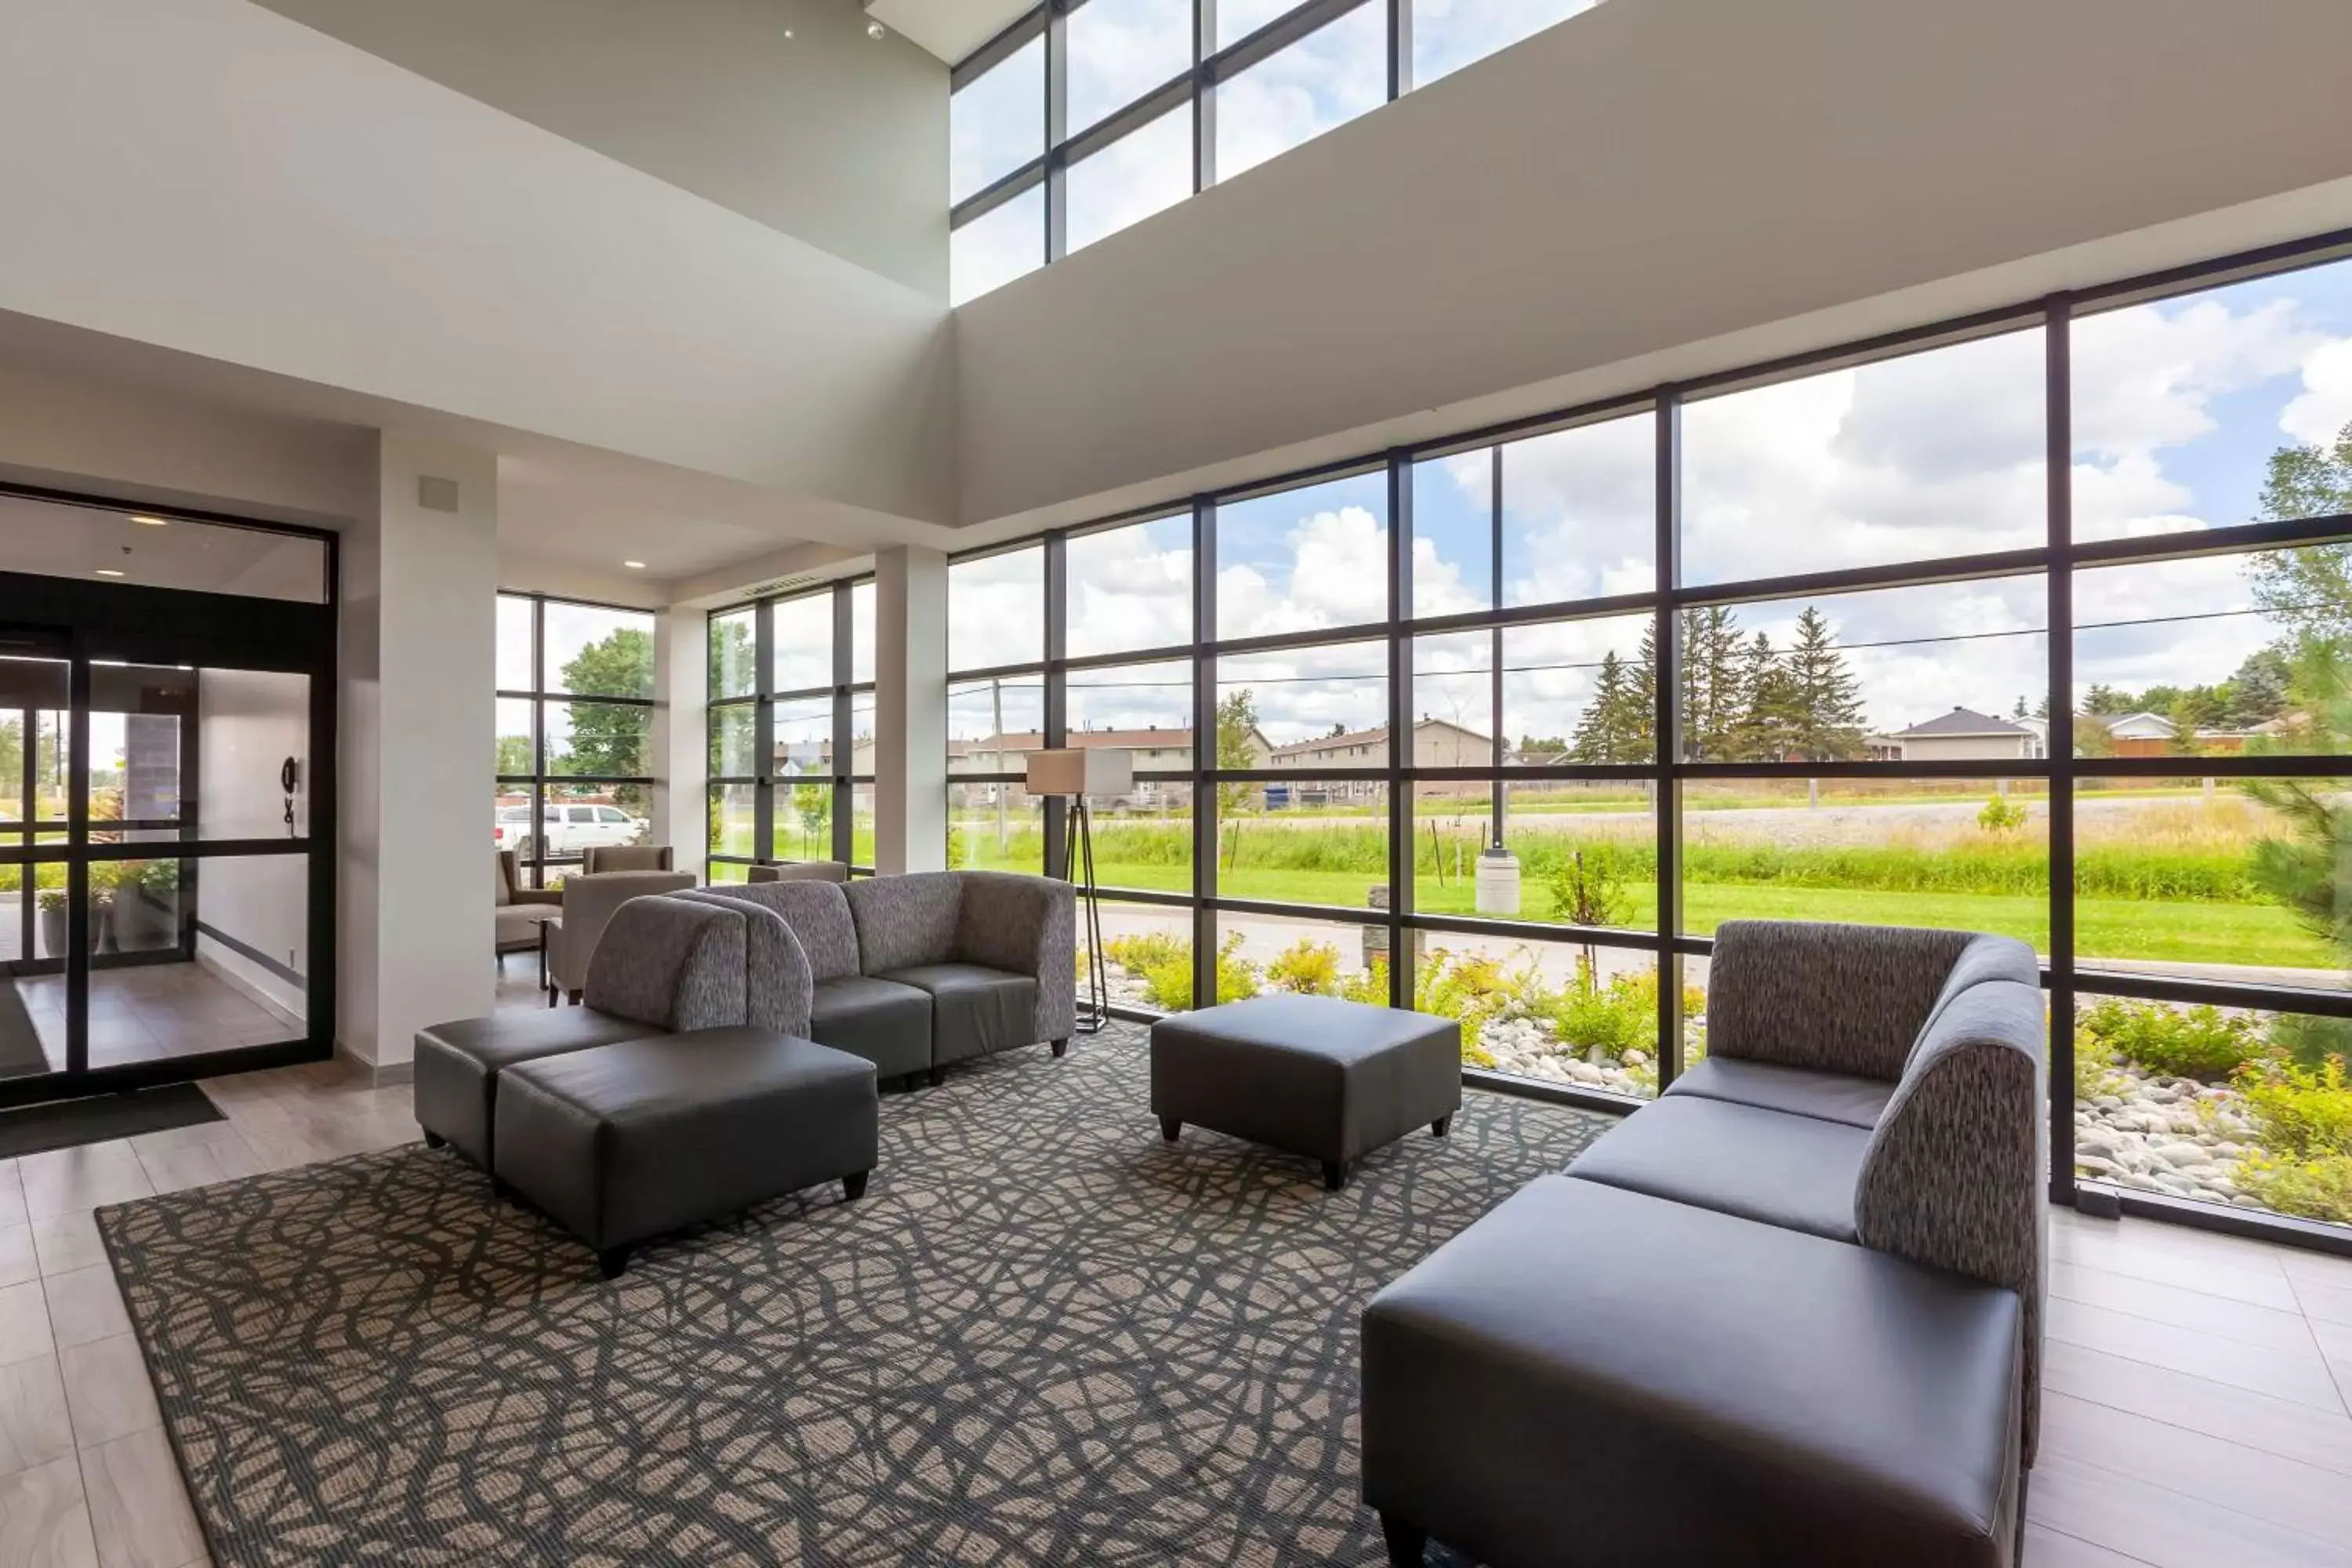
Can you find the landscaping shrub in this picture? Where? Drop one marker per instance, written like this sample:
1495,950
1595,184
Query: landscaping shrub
1162,963
2197,1042
2318,1189
1999,814
2308,1040
1309,967
2304,1114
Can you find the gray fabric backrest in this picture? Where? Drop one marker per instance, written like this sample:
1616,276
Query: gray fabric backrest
818,913
905,920
1953,1175
1985,958
676,963
778,987
1837,998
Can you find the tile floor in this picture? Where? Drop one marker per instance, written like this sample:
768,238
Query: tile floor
154,1011
2198,1392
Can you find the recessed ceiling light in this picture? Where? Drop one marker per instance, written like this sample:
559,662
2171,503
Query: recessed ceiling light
107,572
635,565
151,522
877,30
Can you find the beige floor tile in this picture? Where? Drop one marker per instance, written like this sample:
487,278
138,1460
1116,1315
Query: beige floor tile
2300,1432
35,1426
108,1390
200,1165
2301,1497
2161,1527
12,1196
23,1323
138,1507
69,1180
68,1242
2324,1303
85,1305
18,1261
44,1522
2048,1549
2301,1377
2220,1316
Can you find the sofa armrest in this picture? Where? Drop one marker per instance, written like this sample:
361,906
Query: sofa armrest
1026,925
1953,1175
537,896
1833,999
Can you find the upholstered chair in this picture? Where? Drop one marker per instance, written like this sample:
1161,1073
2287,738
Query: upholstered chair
598,859
520,910
588,905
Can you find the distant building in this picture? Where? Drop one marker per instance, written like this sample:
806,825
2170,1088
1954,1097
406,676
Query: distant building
1965,736
1436,743
1150,749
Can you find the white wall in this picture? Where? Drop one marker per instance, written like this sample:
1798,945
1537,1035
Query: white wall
1650,174
679,745
418,646
247,723
830,136
910,711
215,178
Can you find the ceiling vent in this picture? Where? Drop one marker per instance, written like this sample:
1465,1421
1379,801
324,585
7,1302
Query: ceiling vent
782,585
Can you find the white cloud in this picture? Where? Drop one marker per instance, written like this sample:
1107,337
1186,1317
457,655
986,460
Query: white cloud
2318,415
1130,588
996,610
1337,577
1323,81
1450,34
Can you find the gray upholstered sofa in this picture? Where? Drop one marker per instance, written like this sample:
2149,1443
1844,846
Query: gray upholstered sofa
666,966
918,971
1792,1312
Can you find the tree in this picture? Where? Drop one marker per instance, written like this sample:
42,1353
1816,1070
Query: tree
1770,721
1598,731
732,657
2103,698
2258,691
1828,696
514,756
2093,738
1638,717
1710,683
1237,748
2309,590
608,738
1546,745
2019,710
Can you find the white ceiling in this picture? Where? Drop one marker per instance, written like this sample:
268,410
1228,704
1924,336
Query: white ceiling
53,541
948,29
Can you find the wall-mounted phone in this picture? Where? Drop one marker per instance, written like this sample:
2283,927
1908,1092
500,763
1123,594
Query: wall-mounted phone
289,777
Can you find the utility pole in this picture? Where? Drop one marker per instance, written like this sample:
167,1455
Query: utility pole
996,702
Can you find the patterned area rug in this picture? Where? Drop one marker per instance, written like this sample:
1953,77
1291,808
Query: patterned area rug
1042,1337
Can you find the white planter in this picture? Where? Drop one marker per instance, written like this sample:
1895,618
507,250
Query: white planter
1498,882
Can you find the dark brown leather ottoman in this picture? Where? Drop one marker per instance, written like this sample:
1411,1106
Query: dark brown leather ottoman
1313,1075
623,1142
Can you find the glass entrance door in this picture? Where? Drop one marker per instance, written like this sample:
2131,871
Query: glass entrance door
163,914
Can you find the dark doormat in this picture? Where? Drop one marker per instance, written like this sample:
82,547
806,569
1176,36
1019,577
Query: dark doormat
66,1124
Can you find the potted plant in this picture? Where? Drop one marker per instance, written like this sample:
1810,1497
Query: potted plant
146,907
53,922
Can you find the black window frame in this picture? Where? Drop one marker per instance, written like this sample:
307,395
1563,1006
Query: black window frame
535,865
844,690
2057,560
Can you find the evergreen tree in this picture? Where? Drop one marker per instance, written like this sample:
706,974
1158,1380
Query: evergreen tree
1636,725
1598,739
1771,718
1827,694
1710,683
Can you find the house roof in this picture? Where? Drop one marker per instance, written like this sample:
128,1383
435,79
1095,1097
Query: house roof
1962,722
1377,735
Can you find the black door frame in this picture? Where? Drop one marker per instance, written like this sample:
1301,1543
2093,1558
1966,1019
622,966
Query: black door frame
135,624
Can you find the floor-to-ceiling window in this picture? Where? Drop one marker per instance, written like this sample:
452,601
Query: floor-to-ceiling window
792,730
575,707
2038,623
1088,116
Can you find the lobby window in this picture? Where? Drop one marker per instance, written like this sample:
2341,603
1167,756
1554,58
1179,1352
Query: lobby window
1087,116
1775,644
575,722
792,731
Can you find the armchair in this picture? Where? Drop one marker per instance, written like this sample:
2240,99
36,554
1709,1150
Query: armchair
588,902
597,858
520,910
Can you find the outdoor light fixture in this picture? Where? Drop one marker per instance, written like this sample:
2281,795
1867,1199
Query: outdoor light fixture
1077,774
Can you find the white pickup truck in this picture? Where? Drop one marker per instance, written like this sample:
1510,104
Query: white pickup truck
569,828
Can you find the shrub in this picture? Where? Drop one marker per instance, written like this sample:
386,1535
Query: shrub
1162,963
1587,887
2309,1040
2318,1189
1467,986
1238,979
1309,967
2094,1067
1999,814
2197,1042
2304,1113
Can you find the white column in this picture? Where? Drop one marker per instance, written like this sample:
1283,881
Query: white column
910,710
681,748
416,728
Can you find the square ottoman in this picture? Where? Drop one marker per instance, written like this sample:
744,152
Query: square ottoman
1312,1075
623,1142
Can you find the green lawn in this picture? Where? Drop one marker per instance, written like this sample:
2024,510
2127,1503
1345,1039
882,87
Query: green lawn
2263,934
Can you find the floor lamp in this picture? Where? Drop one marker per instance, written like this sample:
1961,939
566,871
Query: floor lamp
1075,776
